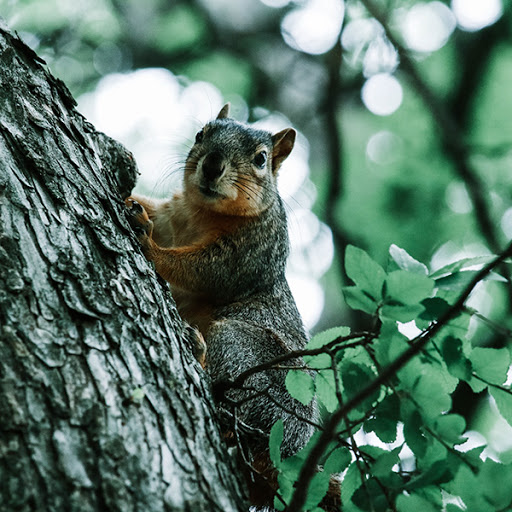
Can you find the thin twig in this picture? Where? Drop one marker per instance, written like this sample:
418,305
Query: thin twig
266,393
221,386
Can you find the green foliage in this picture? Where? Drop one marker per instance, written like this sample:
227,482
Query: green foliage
420,464
229,73
300,385
184,23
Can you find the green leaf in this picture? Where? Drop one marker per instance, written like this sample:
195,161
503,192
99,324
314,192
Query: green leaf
325,337
431,396
319,362
390,344
278,504
338,460
432,494
351,482
461,264
384,422
469,489
450,507
492,478
491,364
317,489
370,497
429,387
460,280
300,385
359,299
355,377
401,313
457,363
434,308
475,456
291,466
413,502
429,470
320,340
357,355
408,288
274,443
503,401
413,431
451,427
405,261
326,390
382,467
477,385
368,275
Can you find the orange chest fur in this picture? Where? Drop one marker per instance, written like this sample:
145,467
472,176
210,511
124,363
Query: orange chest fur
178,223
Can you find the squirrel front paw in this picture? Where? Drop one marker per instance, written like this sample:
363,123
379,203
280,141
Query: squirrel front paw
141,224
139,219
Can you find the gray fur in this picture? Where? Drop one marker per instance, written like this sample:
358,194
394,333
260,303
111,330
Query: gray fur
256,318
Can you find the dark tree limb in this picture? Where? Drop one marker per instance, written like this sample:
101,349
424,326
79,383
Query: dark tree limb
335,153
102,405
475,52
450,131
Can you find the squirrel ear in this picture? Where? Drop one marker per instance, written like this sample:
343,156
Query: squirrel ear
283,144
224,111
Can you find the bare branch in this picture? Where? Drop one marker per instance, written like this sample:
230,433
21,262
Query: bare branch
274,364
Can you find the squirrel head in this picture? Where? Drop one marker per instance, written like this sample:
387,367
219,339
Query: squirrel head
232,168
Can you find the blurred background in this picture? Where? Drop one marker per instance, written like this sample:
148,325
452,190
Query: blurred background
404,110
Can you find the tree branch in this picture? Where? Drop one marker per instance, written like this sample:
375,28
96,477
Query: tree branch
453,143
335,149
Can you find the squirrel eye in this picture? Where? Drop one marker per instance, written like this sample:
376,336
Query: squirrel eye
199,136
260,159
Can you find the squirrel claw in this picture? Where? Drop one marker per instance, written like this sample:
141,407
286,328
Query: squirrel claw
138,219
198,344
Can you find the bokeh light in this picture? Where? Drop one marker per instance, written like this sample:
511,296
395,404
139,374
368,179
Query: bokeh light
382,94
476,14
359,32
457,198
384,147
315,27
428,26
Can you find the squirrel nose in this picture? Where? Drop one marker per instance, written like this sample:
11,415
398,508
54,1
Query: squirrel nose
213,166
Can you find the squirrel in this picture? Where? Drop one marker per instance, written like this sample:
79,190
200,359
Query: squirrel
222,245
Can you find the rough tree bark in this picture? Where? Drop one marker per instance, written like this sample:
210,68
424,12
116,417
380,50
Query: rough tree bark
102,406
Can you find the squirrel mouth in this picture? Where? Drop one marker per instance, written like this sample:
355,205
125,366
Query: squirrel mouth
209,192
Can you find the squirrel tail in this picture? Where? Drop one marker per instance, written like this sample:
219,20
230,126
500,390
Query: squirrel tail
262,485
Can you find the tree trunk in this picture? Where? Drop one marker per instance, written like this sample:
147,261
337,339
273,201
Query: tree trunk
102,406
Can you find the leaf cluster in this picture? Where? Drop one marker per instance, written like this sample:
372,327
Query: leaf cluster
418,460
